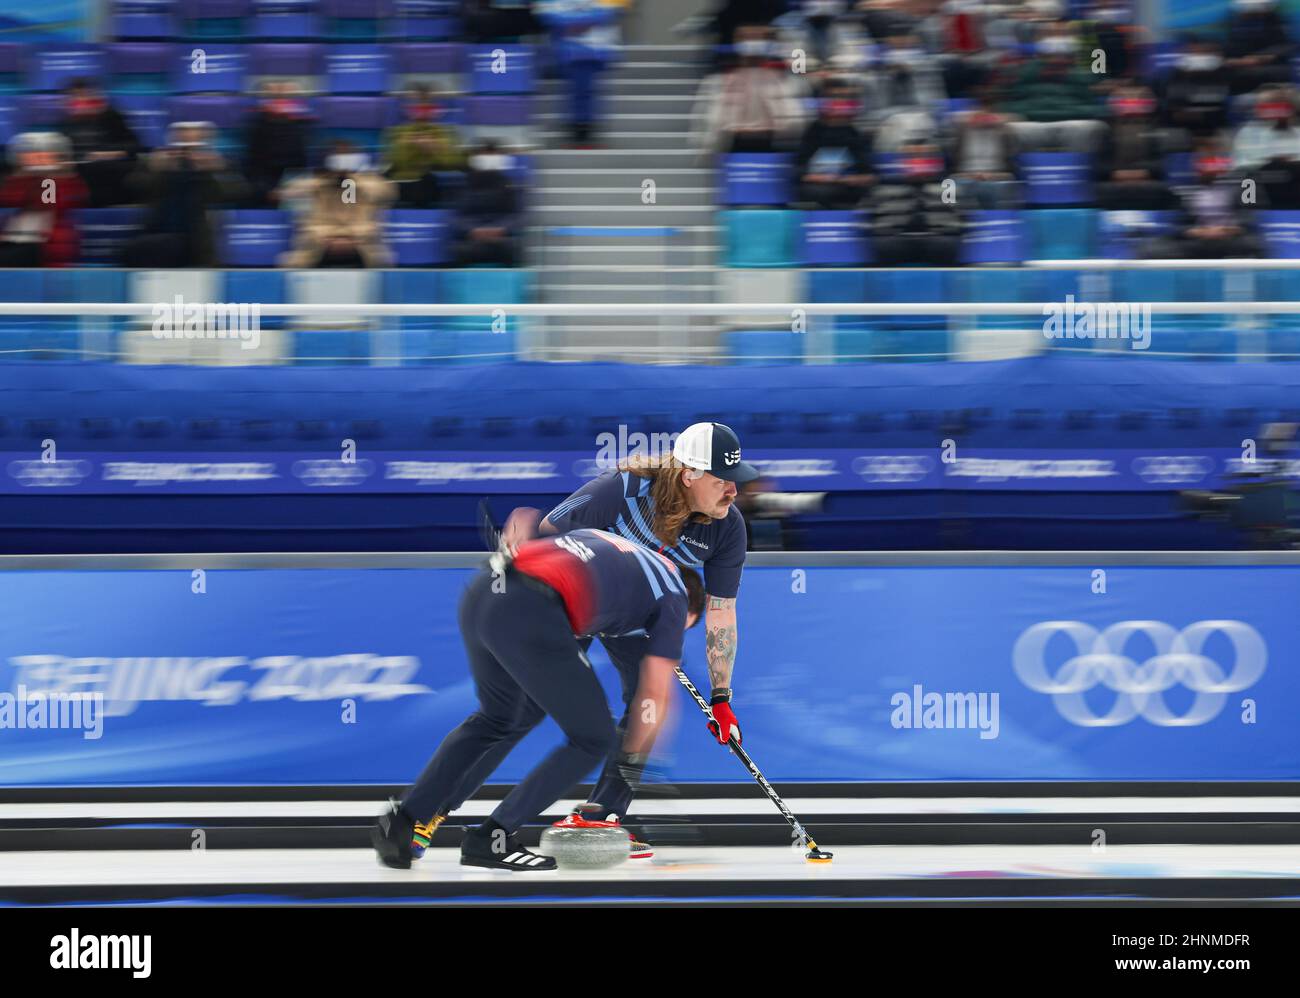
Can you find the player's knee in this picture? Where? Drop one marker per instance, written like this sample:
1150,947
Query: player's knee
598,741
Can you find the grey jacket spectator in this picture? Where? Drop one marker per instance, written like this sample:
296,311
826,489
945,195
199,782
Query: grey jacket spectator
1197,91
911,222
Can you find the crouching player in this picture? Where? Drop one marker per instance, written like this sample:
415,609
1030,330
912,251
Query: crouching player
522,620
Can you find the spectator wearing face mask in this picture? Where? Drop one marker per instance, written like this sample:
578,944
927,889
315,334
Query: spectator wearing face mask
104,148
903,91
834,161
276,140
1257,45
1054,101
181,184
340,213
418,150
752,107
1212,222
911,224
1268,149
986,151
487,219
1130,164
1197,91
43,190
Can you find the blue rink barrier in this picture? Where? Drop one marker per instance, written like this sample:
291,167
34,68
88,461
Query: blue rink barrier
333,669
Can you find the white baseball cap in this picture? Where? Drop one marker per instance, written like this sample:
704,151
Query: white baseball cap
715,448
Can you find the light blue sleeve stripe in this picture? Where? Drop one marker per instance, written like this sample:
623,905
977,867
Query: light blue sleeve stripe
642,556
573,502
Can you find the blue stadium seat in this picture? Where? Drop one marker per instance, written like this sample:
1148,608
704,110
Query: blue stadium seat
105,231
145,19
1122,233
266,287
485,286
220,68
146,114
759,238
417,238
9,126
755,179
433,20
1062,233
331,346
355,20
837,286
210,19
140,67
289,20
54,67
994,237
358,69
1281,232
765,346
833,239
1057,178
12,60
254,237
501,69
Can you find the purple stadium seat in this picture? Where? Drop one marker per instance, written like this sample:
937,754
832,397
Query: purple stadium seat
11,57
286,59
756,179
1057,178
994,237
144,19
52,68
358,69
285,19
221,69
9,117
356,8
40,110
498,110
430,57
199,9
224,111
417,238
131,58
357,112
147,116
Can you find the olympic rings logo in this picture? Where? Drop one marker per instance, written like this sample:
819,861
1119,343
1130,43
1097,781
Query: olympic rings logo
1140,686
1172,469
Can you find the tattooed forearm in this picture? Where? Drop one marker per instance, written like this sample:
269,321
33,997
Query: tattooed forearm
720,640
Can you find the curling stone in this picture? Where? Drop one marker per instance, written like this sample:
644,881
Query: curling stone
589,848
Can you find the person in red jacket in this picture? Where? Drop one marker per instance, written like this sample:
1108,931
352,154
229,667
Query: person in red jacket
43,190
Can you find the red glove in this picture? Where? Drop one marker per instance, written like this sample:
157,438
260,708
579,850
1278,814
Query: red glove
724,723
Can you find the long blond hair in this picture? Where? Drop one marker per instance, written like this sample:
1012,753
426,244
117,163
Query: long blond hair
672,506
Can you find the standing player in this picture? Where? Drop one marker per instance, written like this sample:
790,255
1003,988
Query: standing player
520,619
682,506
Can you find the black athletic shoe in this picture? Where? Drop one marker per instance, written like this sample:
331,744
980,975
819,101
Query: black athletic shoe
477,850
391,837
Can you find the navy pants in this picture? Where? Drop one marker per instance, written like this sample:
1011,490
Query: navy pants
526,664
612,792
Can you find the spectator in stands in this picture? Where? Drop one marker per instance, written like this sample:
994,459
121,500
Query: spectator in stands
1054,100
276,140
834,159
584,39
487,220
902,92
752,107
1268,149
179,185
340,213
1130,165
1111,30
103,145
985,155
732,15
42,191
1197,91
417,151
819,19
1212,221
912,222
1257,45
